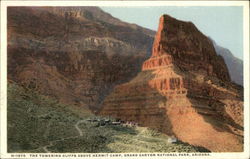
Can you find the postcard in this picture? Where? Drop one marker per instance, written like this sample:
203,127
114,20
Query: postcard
124,79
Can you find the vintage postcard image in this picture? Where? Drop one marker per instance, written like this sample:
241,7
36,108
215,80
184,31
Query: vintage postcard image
121,79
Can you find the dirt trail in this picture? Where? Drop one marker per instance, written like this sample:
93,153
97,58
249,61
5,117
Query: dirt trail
45,148
77,128
51,143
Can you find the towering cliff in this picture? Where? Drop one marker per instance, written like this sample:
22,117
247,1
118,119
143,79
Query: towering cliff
184,89
75,54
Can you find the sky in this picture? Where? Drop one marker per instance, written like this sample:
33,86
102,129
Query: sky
223,24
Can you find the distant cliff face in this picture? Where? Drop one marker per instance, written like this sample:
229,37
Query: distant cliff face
76,54
235,65
184,89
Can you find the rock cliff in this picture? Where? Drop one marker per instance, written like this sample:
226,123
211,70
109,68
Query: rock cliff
184,89
75,54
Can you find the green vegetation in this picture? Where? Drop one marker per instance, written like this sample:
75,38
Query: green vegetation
37,123
34,120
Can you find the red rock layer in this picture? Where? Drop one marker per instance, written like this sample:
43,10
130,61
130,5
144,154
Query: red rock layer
180,95
157,61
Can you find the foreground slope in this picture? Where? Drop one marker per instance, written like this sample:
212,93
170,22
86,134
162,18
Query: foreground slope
37,123
184,89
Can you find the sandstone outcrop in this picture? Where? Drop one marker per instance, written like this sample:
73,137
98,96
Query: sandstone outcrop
184,89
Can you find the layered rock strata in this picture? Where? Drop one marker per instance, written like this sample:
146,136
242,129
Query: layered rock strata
184,89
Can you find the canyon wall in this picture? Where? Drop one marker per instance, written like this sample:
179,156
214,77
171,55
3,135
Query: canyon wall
74,54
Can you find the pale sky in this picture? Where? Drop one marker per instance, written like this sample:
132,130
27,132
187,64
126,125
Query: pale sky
223,24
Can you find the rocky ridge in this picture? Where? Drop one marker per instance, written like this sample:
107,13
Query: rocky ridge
184,89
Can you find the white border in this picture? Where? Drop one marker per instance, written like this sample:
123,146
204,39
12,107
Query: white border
3,58
125,3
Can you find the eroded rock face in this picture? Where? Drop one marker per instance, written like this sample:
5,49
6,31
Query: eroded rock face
184,89
75,54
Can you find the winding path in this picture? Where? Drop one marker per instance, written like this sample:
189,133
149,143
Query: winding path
45,148
77,128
